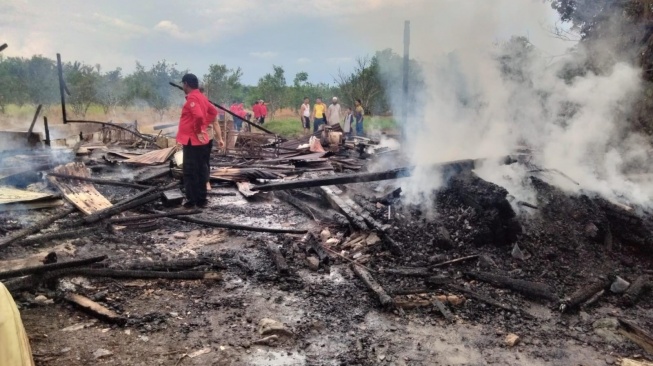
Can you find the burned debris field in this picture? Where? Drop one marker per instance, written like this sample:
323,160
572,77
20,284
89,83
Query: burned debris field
306,255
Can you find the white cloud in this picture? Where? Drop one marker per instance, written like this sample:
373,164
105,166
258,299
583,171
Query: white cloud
303,60
173,30
266,55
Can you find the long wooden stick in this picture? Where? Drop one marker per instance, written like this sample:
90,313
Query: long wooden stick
106,182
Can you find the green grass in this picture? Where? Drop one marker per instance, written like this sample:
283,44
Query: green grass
291,127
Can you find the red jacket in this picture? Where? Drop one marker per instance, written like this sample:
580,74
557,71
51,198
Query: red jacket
195,115
238,109
257,110
263,109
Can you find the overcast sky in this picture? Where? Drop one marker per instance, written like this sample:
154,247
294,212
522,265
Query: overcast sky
316,36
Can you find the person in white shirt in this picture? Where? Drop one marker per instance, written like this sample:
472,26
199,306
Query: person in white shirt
333,112
305,116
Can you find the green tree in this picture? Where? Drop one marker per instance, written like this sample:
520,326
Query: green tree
272,89
362,83
82,81
222,84
40,77
111,91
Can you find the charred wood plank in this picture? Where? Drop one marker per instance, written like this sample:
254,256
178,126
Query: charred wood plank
313,246
106,182
391,244
51,267
409,272
584,293
277,258
636,334
135,133
133,274
114,210
488,300
35,228
442,308
339,204
225,225
45,238
174,265
31,126
95,309
371,284
119,220
636,289
529,288
412,291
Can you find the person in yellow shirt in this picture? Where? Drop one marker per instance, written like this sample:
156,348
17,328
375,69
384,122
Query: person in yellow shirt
319,116
14,344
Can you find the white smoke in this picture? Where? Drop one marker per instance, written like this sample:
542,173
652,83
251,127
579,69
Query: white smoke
472,109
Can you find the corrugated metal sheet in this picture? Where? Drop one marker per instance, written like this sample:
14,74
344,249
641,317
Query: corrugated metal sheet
153,157
81,194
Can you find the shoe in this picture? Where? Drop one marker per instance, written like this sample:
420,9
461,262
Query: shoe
203,204
189,205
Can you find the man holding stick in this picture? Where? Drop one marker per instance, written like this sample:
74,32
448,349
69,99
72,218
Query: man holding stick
193,137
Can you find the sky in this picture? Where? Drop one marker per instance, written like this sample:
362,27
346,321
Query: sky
320,37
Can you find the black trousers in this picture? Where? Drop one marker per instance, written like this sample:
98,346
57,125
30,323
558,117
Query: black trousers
196,173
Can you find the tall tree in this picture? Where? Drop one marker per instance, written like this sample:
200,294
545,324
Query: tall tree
272,88
222,84
362,83
111,91
82,81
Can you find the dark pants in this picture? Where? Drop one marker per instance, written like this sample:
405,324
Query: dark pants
238,123
209,148
261,120
317,122
196,173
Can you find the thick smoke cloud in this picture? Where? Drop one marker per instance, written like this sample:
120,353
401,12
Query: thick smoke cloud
487,94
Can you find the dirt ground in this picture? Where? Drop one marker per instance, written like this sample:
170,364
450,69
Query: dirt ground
334,319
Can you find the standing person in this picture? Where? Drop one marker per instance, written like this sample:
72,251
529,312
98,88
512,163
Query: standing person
263,109
256,108
333,112
305,115
349,118
215,134
193,137
358,116
237,109
319,116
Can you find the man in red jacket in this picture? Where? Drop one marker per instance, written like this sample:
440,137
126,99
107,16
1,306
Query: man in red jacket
256,108
263,111
193,137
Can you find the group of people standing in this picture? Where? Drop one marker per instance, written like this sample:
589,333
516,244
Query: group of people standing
259,109
321,114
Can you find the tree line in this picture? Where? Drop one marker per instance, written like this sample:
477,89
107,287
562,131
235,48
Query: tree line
34,81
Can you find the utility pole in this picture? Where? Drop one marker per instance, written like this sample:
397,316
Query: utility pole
404,111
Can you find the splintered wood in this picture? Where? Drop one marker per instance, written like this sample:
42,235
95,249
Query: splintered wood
82,195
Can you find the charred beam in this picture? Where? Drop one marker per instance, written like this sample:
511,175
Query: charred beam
277,258
62,86
225,225
113,125
584,293
409,272
339,204
488,300
35,228
442,308
134,274
106,182
174,265
40,239
371,284
636,334
533,289
445,169
46,128
50,267
119,220
116,209
3,47
636,289
31,126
